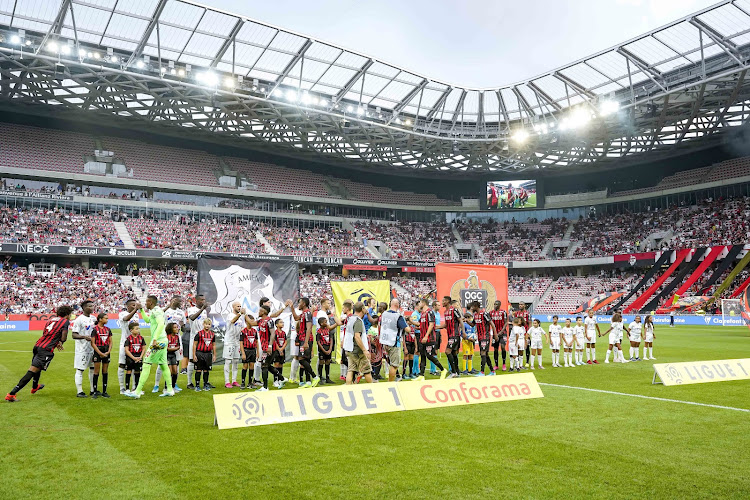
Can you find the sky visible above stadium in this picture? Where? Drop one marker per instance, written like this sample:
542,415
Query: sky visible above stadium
476,43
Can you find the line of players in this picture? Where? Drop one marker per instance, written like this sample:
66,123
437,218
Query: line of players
261,343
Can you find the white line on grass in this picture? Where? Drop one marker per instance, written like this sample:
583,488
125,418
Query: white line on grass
645,397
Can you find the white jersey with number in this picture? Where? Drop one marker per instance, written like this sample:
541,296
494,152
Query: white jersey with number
125,331
615,335
635,331
578,331
536,333
518,336
649,329
590,324
567,333
84,326
554,331
196,325
175,316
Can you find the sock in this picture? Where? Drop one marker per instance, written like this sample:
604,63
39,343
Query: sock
593,354
650,352
79,381
121,378
91,378
96,382
174,380
244,375
531,360
235,366
281,372
528,353
275,372
295,369
496,355
105,380
205,377
616,356
21,383
505,353
137,378
403,367
471,363
157,378
257,370
320,369
264,374
540,360
606,358
35,380
328,372
197,379
145,372
165,370
227,370
127,381
190,371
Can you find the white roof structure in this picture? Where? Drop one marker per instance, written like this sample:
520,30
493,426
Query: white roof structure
268,88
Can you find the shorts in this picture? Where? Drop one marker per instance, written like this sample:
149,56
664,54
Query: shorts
156,357
278,357
121,356
231,351
536,343
82,360
554,344
187,344
565,343
649,338
205,361
266,358
295,350
305,353
484,345
410,348
250,354
501,342
579,343
101,359
591,340
131,365
323,356
614,338
453,343
513,349
172,358
428,348
42,358
359,363
468,347
394,355
521,345
635,338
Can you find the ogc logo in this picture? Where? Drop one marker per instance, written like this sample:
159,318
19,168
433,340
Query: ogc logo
471,289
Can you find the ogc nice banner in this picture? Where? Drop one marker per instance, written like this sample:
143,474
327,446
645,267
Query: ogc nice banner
468,282
224,280
360,291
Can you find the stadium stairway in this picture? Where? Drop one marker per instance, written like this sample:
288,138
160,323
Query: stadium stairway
569,231
129,282
641,300
687,269
574,245
723,266
124,235
455,232
400,291
263,241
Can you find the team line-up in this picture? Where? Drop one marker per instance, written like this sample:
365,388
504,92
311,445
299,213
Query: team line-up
371,335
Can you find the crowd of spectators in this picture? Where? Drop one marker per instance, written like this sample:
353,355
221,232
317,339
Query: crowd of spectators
410,240
56,227
330,241
510,240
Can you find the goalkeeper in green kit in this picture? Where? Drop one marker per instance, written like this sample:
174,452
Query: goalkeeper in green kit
157,351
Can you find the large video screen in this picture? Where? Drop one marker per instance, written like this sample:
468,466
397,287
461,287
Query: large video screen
508,195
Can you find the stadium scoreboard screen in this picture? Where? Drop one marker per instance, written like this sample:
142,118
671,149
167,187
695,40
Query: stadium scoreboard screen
512,195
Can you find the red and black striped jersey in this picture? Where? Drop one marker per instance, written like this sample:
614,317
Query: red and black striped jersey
136,344
280,339
453,322
101,336
424,324
499,318
376,351
53,331
249,337
324,337
173,341
264,332
525,316
305,319
206,339
482,324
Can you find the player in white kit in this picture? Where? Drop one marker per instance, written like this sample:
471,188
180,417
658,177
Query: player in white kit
173,314
536,334
195,317
516,339
568,339
578,332
648,328
635,338
554,341
592,331
125,317
232,355
615,339
82,329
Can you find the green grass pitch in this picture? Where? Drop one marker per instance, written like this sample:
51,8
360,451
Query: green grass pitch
569,444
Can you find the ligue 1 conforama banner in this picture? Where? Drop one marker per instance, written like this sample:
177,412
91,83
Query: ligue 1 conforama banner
469,282
223,280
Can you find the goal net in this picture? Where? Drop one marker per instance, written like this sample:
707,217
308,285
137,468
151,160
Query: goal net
730,308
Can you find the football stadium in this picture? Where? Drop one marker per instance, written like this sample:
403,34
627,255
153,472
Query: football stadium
218,235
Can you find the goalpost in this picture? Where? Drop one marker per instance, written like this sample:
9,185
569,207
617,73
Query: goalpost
730,308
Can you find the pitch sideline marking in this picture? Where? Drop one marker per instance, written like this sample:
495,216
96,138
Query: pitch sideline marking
646,397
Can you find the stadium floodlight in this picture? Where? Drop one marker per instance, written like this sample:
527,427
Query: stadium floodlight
349,108
139,65
291,95
306,99
210,79
576,119
229,82
278,93
173,72
609,107
162,70
180,72
324,102
520,136
360,111
65,50
407,122
114,59
28,42
15,39
541,128
96,55
52,47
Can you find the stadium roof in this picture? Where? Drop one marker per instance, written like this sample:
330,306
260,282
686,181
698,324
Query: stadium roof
178,63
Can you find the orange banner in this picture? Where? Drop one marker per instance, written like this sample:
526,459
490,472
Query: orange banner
469,282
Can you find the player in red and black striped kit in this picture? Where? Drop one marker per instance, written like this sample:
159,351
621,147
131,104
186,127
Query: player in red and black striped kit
266,340
101,341
204,354
499,319
486,332
248,338
427,340
54,336
453,322
525,316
